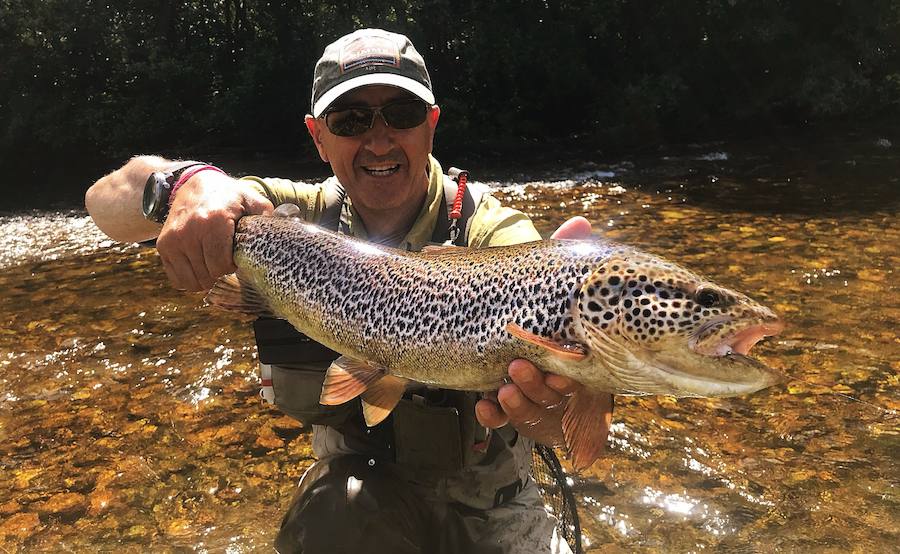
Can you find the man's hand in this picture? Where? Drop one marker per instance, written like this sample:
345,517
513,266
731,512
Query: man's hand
535,401
196,242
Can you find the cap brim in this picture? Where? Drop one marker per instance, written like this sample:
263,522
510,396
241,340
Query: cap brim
389,79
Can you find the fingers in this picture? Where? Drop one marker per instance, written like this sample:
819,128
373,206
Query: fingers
530,382
196,242
217,249
178,270
489,414
574,228
256,204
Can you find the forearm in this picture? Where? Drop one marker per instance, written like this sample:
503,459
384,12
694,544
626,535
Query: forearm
114,201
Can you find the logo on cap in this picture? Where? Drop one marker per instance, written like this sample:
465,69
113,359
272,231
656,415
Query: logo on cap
369,51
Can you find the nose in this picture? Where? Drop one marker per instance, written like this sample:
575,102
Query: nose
379,140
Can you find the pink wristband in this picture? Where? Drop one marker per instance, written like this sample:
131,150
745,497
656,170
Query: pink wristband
187,175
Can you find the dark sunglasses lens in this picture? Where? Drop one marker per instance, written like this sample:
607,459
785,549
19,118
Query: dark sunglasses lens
350,122
405,115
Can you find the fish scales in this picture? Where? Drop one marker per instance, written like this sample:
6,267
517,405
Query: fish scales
610,316
416,314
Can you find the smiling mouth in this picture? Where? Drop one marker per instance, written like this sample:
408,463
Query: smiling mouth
383,170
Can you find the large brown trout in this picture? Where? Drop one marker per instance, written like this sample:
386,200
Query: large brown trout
609,316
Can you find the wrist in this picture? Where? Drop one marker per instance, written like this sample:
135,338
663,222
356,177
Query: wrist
186,174
160,187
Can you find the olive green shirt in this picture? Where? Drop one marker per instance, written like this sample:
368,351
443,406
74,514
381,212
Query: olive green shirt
492,224
506,464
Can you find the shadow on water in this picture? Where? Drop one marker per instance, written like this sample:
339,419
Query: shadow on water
824,178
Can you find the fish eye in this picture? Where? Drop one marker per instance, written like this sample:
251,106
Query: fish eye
707,297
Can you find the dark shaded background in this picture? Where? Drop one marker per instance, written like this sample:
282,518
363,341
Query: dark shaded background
88,83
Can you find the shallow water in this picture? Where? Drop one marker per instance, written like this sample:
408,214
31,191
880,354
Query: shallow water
129,418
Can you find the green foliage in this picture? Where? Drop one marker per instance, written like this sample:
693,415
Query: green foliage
114,78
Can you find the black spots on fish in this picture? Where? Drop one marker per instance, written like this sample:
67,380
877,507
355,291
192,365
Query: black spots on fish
613,300
615,267
662,313
636,293
631,284
664,294
686,313
705,313
647,313
636,312
679,294
642,278
595,320
649,289
614,279
585,269
695,317
676,304
628,317
608,316
604,292
627,302
645,301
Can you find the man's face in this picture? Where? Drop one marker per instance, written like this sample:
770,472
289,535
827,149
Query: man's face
383,168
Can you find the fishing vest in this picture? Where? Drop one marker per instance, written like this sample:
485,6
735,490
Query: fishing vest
432,435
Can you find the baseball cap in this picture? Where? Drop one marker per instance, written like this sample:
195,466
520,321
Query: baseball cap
368,57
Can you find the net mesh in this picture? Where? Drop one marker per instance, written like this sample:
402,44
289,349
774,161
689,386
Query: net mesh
557,493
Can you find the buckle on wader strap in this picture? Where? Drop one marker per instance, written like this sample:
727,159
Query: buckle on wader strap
460,177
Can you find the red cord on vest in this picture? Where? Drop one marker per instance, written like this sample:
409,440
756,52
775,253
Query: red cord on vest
456,212
187,175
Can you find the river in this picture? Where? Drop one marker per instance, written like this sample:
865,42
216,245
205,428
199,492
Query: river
130,419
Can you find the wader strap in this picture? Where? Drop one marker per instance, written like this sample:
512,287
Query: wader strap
473,195
333,217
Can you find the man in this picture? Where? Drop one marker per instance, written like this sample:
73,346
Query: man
428,479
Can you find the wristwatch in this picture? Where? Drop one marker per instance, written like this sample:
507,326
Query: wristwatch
157,190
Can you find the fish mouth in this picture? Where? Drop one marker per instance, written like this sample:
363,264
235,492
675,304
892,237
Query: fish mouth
719,366
739,341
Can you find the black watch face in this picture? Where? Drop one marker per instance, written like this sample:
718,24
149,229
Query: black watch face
155,203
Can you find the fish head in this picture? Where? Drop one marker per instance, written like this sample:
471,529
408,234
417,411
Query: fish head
668,330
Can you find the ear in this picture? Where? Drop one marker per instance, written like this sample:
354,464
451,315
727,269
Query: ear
434,113
314,126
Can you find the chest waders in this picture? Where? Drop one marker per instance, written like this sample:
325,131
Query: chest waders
430,430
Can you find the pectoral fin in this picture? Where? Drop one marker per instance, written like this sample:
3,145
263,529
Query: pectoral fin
232,293
565,350
381,397
346,379
585,426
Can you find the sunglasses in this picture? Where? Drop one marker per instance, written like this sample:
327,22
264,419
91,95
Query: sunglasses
354,121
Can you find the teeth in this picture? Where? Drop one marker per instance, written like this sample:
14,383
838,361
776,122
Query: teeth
724,350
381,169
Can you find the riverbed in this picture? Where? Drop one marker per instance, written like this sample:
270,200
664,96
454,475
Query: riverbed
130,418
